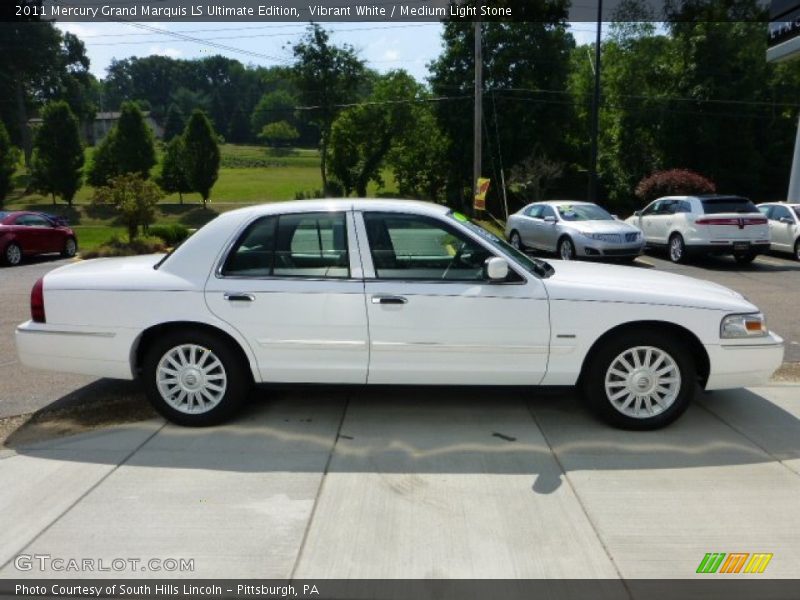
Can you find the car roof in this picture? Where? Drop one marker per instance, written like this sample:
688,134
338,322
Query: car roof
560,202
703,197
332,204
781,203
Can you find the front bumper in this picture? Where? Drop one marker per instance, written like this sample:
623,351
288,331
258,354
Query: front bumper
588,248
735,364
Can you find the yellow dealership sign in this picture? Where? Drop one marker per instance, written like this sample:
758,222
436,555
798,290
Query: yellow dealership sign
480,196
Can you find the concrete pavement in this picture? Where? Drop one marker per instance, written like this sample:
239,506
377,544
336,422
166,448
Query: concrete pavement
419,483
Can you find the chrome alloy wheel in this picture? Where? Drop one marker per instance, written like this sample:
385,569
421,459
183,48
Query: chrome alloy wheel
191,379
676,249
70,247
642,382
516,242
13,254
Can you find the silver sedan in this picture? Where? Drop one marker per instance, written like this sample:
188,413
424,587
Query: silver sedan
573,230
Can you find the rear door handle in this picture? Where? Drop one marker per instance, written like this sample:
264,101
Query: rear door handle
236,297
389,300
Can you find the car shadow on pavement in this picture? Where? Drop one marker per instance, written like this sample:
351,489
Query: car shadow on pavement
435,431
727,263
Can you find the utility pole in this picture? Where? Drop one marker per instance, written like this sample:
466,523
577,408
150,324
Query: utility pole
478,119
595,124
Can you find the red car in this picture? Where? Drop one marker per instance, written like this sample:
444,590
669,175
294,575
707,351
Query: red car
24,233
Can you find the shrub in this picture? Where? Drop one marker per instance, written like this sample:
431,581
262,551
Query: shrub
171,234
116,246
133,197
677,182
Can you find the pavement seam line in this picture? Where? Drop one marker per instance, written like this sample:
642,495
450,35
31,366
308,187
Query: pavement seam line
578,498
319,491
747,437
80,498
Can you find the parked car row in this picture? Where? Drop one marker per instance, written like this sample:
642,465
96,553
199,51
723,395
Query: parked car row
26,233
684,226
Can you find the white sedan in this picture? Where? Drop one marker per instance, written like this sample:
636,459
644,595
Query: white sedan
389,292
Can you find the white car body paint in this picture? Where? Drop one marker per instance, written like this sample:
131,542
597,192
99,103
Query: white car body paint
536,331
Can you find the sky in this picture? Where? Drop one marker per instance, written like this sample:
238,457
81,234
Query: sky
384,46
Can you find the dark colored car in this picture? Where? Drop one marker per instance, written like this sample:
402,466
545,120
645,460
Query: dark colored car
24,233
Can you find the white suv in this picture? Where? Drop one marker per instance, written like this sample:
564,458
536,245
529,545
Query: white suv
695,225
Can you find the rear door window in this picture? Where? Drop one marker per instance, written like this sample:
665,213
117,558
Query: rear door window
713,206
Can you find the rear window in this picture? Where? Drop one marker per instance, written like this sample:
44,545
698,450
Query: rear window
713,206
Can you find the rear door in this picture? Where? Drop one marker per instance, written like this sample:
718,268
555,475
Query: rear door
292,286
733,220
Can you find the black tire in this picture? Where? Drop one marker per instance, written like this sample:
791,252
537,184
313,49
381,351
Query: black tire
797,250
235,371
518,245
593,379
70,249
745,259
566,249
676,248
12,254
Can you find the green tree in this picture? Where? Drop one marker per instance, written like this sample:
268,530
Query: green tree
279,134
103,166
526,65
134,197
172,178
174,122
275,106
362,136
134,149
58,153
326,76
201,154
9,158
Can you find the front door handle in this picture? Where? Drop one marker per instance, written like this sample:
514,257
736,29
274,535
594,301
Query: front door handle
237,297
389,300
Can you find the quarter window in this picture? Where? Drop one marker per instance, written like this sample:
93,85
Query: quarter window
412,247
312,245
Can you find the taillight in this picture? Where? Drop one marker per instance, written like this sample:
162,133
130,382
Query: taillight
37,302
731,221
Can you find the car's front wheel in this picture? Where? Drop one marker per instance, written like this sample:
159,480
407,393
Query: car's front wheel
12,255
677,248
566,249
640,380
194,378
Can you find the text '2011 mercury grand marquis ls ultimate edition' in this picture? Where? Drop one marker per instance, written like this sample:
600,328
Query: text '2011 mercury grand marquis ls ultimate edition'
389,292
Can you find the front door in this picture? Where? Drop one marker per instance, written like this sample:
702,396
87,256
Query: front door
291,285
433,316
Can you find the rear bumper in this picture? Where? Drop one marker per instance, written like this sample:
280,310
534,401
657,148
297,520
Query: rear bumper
726,247
743,364
72,350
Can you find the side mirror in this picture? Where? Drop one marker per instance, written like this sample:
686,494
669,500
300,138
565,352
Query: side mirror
495,268
787,220
637,213
549,219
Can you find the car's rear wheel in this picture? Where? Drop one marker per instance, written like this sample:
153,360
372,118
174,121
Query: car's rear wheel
12,255
566,249
797,250
677,248
640,380
194,378
745,259
70,248
516,241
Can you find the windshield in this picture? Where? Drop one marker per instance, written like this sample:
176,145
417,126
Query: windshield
583,212
532,265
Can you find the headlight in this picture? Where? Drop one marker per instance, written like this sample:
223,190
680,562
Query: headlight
743,326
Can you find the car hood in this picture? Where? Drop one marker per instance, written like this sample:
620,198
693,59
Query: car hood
123,273
612,283
600,226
